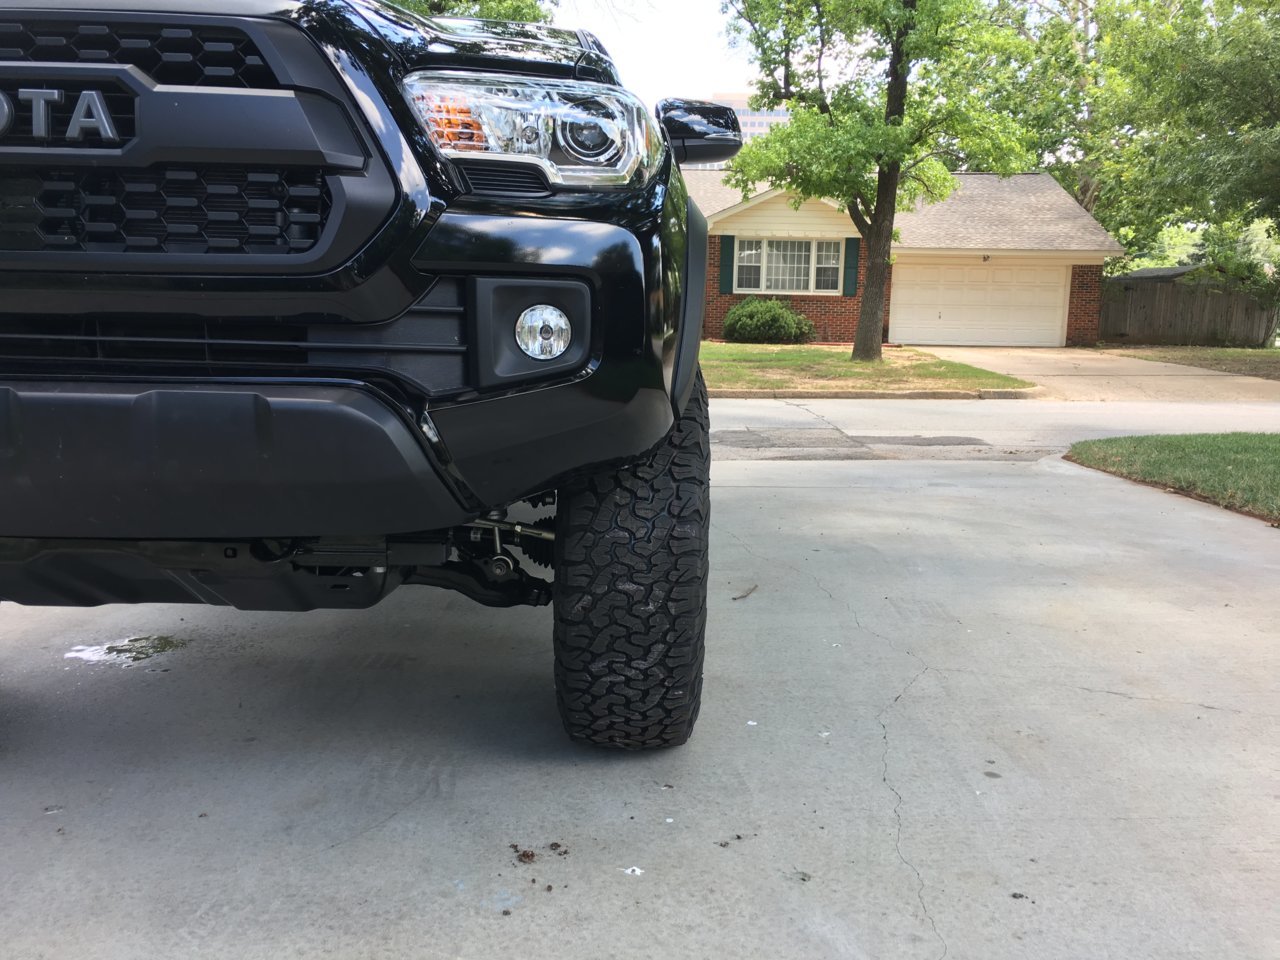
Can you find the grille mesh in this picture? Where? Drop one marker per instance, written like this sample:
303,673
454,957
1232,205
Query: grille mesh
163,210
424,350
181,56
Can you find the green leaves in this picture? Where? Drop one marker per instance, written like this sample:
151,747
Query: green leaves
521,11
832,63
1151,112
1206,96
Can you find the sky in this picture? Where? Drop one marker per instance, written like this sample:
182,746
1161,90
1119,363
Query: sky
664,48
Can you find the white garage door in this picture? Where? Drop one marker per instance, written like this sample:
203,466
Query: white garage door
1020,305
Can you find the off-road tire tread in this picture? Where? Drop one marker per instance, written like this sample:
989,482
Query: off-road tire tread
631,592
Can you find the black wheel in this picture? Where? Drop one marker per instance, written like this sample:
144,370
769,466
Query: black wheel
631,593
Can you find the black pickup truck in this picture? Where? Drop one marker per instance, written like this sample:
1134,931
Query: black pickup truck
305,300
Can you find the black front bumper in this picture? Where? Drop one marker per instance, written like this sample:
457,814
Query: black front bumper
226,461
262,460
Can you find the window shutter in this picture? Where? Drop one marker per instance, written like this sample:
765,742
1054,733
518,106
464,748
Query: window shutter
851,245
726,264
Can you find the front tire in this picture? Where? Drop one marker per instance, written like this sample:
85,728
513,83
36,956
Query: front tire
631,593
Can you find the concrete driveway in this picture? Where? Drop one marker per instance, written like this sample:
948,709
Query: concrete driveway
968,708
1068,374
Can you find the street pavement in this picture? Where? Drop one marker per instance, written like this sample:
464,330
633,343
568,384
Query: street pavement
958,429
983,706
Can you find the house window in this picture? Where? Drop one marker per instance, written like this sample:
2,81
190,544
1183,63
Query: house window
749,264
787,266
826,270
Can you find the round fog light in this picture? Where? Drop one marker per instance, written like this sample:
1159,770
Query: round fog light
543,332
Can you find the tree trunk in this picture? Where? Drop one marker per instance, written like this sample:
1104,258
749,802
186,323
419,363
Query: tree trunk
870,335
1090,188
878,235
877,228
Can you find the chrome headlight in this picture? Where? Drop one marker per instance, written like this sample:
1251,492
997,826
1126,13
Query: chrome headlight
581,134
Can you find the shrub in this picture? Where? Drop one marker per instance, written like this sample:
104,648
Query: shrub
766,321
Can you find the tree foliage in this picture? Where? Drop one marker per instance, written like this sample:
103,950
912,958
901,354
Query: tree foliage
883,105
520,11
1054,77
1205,107
1201,142
1150,112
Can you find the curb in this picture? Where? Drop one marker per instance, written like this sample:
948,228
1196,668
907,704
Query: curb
1019,393
1022,393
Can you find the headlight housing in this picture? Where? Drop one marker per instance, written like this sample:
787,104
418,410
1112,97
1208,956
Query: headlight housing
580,134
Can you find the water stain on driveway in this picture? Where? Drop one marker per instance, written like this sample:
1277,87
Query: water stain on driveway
125,652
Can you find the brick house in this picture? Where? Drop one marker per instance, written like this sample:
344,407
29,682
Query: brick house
1003,261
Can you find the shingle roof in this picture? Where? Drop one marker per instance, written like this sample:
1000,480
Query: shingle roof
709,191
986,212
1026,212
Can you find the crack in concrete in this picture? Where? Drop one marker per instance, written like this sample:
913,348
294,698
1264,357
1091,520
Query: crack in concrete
884,731
1105,692
884,765
1134,696
889,640
379,823
813,413
792,567
897,807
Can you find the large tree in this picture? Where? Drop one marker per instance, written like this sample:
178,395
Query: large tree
1150,112
882,98
1055,80
1205,91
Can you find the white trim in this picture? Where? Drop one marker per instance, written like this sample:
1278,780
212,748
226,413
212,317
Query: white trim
813,268
1085,257
715,218
1066,308
755,233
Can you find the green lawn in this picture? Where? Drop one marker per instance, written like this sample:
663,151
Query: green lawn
1236,470
1243,360
755,366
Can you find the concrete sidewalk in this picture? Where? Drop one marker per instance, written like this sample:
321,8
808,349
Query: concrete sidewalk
957,429
1068,374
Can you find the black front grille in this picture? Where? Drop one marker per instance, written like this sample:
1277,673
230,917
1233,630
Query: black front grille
180,56
163,210
421,353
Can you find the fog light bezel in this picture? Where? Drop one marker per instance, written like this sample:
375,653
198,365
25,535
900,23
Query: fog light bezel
497,359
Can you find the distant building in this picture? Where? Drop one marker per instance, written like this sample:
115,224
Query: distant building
755,123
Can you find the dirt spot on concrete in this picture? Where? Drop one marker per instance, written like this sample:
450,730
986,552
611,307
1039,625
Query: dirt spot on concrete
524,856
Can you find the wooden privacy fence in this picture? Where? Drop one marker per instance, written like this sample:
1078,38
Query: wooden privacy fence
1167,311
